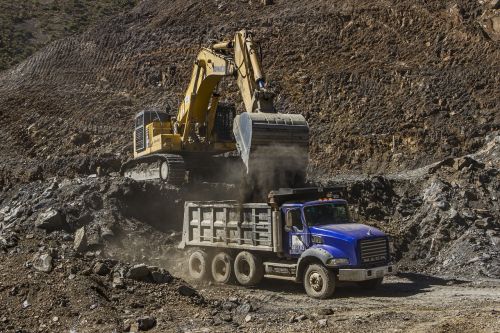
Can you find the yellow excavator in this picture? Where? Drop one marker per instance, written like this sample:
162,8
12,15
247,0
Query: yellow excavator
272,146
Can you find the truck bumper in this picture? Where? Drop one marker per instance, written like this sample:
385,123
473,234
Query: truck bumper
361,274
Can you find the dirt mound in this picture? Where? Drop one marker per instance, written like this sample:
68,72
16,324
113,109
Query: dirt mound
384,87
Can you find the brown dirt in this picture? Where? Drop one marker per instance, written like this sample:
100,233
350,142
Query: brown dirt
384,85
402,89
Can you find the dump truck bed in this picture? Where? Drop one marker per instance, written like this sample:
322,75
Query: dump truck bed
227,224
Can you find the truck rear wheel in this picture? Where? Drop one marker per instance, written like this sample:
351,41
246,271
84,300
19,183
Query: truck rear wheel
319,282
248,269
222,268
199,265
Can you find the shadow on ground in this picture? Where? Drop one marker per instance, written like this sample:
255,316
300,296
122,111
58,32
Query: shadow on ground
405,284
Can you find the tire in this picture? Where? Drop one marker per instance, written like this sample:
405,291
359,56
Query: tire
199,265
222,268
371,284
319,282
248,269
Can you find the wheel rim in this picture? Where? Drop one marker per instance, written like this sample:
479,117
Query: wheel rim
220,267
244,268
164,170
196,265
316,281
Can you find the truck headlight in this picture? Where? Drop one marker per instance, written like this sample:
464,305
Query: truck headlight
337,262
317,239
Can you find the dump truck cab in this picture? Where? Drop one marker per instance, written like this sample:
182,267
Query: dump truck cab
323,230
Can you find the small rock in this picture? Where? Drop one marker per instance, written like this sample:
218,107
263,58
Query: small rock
50,220
323,322
248,318
244,309
26,304
43,263
482,223
226,317
161,277
139,272
442,204
301,318
101,269
229,305
67,237
146,323
80,243
325,312
118,282
186,291
55,319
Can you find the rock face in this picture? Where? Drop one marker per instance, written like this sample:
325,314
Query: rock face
50,220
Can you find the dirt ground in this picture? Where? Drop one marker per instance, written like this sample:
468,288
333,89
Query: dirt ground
402,100
407,302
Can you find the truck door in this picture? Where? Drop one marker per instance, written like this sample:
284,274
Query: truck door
298,234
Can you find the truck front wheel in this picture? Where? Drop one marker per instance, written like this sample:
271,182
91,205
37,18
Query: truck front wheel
248,269
199,265
222,268
319,282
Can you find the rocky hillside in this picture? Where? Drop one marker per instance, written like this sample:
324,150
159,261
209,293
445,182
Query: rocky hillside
384,85
27,26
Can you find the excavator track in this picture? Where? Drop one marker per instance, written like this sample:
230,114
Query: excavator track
168,168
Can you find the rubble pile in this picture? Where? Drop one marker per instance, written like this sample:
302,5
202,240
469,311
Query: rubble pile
445,221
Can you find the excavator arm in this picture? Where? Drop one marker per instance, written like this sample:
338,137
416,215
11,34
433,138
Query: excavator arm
270,143
200,100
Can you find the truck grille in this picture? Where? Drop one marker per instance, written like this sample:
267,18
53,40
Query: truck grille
374,250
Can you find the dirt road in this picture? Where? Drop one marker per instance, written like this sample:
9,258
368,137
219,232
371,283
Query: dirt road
405,303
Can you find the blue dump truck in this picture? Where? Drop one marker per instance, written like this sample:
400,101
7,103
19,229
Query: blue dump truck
302,235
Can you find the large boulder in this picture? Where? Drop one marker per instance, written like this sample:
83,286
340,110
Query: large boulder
139,272
50,220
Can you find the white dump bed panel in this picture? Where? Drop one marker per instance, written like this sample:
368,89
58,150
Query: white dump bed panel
228,224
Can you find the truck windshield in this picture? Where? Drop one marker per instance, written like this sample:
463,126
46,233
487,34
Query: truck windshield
328,213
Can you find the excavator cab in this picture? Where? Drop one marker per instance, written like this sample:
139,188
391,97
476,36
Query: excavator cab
142,120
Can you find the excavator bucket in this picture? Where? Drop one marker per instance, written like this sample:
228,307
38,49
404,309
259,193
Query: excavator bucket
273,144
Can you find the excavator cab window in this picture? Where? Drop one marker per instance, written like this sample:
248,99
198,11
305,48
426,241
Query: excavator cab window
142,119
